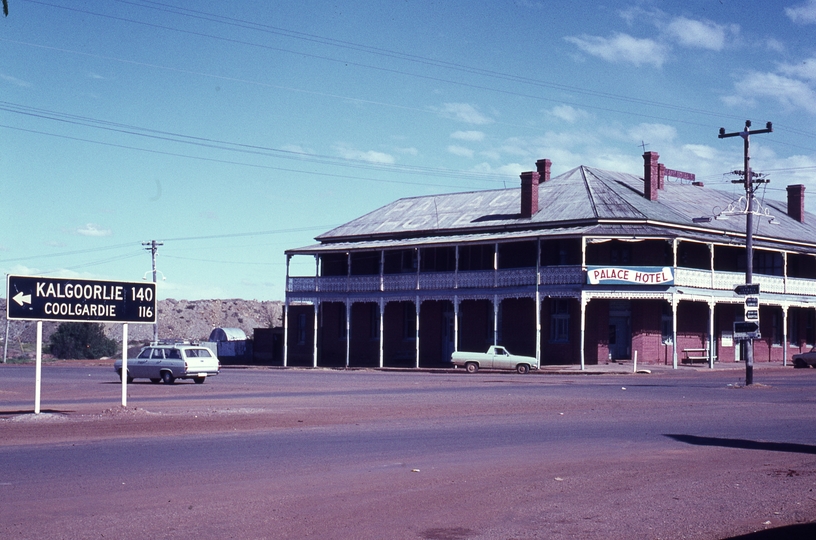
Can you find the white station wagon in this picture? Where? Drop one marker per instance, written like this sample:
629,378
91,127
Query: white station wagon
170,362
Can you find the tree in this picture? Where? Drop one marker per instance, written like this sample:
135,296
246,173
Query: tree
82,340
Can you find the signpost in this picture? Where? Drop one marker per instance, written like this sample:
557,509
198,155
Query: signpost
33,298
58,299
749,328
751,289
746,330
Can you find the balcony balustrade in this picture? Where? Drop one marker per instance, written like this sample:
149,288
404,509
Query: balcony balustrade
525,277
435,281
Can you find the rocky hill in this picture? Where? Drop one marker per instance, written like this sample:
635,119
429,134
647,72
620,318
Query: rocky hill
177,319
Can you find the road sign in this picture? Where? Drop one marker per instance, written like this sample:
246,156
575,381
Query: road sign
747,289
746,330
58,299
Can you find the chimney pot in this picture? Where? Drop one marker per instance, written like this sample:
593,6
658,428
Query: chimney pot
651,175
796,202
543,168
529,193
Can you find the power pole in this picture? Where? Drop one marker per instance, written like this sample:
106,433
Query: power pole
153,248
748,182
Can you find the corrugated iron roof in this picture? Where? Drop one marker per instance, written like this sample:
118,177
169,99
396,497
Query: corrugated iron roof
568,204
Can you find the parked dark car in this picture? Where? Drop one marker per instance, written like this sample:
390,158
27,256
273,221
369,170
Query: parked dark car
806,359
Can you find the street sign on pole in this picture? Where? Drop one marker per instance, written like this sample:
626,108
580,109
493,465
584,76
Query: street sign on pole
747,289
746,330
36,298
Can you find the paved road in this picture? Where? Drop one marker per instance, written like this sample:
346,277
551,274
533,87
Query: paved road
270,453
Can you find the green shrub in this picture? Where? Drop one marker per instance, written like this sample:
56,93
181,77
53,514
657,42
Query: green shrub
82,340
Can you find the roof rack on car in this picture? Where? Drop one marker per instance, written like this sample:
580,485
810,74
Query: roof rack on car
173,342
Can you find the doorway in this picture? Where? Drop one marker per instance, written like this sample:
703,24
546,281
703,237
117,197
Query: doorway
620,332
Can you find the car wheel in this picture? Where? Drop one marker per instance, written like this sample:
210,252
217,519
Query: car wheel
472,367
129,379
155,381
523,368
799,363
167,377
200,380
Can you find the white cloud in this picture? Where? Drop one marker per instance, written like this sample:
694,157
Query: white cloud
652,133
296,148
698,34
91,229
804,14
622,48
370,156
464,112
411,151
472,136
701,151
806,70
739,101
568,113
792,93
15,81
774,45
460,151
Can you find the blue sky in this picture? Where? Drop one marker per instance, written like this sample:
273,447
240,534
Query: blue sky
231,131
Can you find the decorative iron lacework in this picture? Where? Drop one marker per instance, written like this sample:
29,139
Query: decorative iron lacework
301,284
516,277
476,280
332,284
399,282
364,283
687,277
772,284
437,280
801,286
561,275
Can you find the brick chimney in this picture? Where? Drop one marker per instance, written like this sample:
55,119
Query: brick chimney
651,175
796,202
529,193
543,168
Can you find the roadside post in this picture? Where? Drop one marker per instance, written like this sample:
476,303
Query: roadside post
34,298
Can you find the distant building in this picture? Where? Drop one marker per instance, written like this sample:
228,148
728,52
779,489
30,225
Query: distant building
582,268
232,345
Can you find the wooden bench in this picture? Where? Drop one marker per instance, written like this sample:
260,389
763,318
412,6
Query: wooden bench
695,355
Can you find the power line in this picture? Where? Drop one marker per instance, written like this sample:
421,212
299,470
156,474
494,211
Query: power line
397,55
132,245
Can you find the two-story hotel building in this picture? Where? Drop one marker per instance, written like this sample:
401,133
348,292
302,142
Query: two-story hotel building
587,267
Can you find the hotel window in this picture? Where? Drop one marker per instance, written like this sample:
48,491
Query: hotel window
341,327
777,330
301,329
409,318
620,255
374,324
559,321
793,327
666,320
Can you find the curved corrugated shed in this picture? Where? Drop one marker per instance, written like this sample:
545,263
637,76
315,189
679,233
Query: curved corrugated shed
227,334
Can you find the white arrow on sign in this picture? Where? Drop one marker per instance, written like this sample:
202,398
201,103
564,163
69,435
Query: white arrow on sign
22,299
